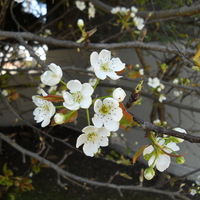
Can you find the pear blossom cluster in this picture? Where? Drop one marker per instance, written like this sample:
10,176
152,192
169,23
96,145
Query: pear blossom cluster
107,113
82,6
159,153
122,11
158,87
77,95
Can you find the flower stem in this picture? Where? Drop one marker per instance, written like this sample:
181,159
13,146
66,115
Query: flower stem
97,82
88,116
63,82
59,106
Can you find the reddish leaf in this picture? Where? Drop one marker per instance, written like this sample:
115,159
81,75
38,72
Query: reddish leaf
127,118
52,98
138,153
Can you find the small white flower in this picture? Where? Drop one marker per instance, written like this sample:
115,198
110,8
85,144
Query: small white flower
157,121
59,118
177,93
119,94
193,192
161,98
115,10
149,173
141,71
52,77
134,9
181,131
107,113
124,11
139,22
4,92
160,159
92,81
44,111
153,82
91,11
80,5
175,81
93,138
80,23
104,66
79,96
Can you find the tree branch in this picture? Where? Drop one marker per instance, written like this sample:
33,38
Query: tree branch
71,44
85,180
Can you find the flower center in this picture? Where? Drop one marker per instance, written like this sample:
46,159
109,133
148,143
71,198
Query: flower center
54,75
105,67
91,136
105,109
77,97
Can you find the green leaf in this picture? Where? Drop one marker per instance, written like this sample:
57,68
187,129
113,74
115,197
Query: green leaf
36,168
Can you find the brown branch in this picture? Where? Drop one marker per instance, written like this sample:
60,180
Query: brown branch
147,126
180,12
67,43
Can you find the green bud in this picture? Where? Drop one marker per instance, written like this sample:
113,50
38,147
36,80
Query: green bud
180,160
147,156
149,173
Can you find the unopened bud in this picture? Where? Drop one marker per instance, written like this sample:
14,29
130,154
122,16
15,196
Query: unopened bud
180,160
149,173
119,94
80,23
59,118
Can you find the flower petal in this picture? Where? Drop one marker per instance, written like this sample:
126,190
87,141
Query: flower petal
116,64
97,105
100,74
74,86
81,140
97,120
148,150
87,89
104,132
90,148
86,102
116,113
56,70
110,124
104,56
163,162
94,60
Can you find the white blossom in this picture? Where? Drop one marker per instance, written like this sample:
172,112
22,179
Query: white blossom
104,66
80,23
181,130
79,95
134,9
153,82
161,98
193,192
141,71
107,113
119,94
139,22
124,11
157,121
4,92
175,81
93,138
53,76
44,111
20,1
160,159
80,5
115,10
91,11
92,81
177,93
